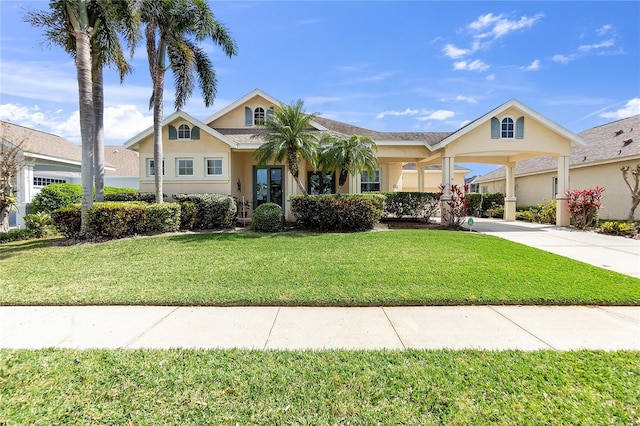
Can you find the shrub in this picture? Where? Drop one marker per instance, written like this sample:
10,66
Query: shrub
213,211
188,215
40,224
163,217
338,212
146,197
617,228
411,204
583,206
456,212
115,219
67,221
268,217
542,213
485,205
16,235
56,196
112,190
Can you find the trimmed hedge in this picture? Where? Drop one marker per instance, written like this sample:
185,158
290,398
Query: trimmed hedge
416,205
118,219
338,212
146,197
58,195
268,217
213,211
67,221
479,205
16,235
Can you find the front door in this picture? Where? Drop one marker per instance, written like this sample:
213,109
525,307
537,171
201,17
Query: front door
268,185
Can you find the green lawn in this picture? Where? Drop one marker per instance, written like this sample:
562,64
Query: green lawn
397,267
326,387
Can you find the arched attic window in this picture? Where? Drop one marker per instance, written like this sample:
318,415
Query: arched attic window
507,128
184,132
258,116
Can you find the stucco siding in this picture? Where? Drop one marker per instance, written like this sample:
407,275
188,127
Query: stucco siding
235,118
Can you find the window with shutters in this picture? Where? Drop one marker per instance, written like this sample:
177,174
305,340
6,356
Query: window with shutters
257,116
184,132
507,128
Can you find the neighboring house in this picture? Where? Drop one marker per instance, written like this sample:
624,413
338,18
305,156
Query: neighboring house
216,155
608,148
48,159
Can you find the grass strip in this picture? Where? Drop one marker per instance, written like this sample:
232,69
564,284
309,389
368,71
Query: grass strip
146,387
408,267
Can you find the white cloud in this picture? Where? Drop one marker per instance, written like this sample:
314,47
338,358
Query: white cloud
533,66
440,114
604,29
120,123
476,65
632,107
454,52
491,77
588,47
563,59
496,26
466,99
407,111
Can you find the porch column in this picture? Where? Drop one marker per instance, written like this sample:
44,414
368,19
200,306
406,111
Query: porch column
447,180
420,171
510,196
562,208
354,183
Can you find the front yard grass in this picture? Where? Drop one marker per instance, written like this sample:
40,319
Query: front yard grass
408,267
325,387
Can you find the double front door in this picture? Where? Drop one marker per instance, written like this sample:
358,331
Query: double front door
268,185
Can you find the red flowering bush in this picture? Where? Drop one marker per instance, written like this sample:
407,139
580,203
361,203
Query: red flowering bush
456,212
584,205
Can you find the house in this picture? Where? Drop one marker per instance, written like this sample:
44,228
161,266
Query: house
608,148
49,158
216,155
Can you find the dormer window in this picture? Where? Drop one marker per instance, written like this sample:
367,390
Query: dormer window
184,132
506,128
258,116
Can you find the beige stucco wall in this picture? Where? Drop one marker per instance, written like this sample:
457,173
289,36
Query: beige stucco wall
535,189
235,118
199,151
537,139
432,180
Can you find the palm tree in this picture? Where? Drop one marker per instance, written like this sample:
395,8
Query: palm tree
350,155
288,135
73,16
88,30
171,27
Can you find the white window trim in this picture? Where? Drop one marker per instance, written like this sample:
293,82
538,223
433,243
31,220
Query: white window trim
379,181
193,170
178,132
514,127
148,166
206,167
264,112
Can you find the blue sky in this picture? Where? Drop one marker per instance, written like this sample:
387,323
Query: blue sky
384,65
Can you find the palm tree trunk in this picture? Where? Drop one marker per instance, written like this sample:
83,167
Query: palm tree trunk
98,129
157,133
83,67
342,180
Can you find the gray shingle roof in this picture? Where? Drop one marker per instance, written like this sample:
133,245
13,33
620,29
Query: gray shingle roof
431,138
610,142
38,142
41,143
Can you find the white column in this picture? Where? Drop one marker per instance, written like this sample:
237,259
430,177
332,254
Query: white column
447,181
420,171
562,210
510,198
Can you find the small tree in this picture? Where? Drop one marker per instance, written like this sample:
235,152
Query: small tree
635,189
352,155
456,210
583,206
11,162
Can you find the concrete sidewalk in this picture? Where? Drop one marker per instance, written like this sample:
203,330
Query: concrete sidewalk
605,251
457,327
